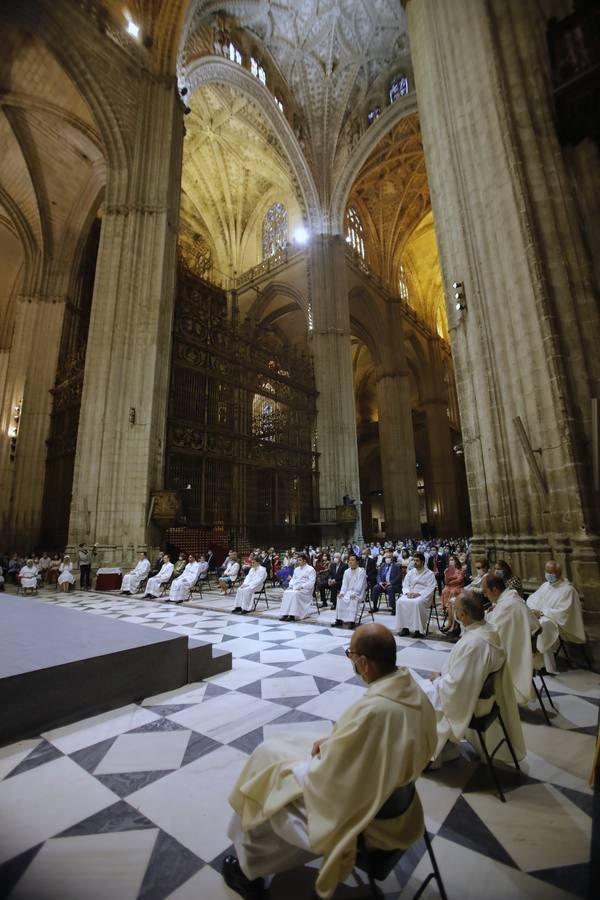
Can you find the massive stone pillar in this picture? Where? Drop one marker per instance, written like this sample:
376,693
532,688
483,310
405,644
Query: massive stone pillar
30,376
396,437
121,438
526,345
442,493
330,344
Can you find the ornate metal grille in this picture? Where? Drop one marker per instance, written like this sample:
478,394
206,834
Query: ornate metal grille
241,418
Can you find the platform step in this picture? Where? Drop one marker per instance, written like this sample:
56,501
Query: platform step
206,659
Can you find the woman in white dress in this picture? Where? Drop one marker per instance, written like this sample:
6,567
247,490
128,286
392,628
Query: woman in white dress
65,577
230,573
154,585
180,589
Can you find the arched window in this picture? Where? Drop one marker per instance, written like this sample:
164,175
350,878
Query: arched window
258,70
279,103
274,230
403,285
398,88
232,52
354,232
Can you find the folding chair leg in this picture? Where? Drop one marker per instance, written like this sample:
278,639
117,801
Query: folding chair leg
491,767
432,875
508,741
547,692
538,694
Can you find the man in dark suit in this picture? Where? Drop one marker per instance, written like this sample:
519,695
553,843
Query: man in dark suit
389,582
334,580
368,562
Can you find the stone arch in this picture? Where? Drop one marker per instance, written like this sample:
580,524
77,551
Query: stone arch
214,70
393,114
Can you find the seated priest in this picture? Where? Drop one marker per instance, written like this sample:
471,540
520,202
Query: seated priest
154,585
133,579
252,583
389,581
297,599
333,582
28,576
516,624
181,587
412,607
557,606
354,588
455,694
294,804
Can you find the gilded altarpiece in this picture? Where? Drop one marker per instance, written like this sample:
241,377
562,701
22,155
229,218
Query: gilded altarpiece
241,424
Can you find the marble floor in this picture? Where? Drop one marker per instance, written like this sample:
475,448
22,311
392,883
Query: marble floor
133,802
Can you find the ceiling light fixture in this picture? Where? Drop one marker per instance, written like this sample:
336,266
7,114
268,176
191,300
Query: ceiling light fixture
459,296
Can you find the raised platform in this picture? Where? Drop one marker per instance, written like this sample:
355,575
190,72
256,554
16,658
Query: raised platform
60,665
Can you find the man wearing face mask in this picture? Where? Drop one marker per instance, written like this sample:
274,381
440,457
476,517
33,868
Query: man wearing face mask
389,582
557,606
455,694
413,604
288,805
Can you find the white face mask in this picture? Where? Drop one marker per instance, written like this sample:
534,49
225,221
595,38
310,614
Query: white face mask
551,578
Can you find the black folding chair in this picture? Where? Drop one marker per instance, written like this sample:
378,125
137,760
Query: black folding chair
480,724
377,864
433,611
360,609
261,595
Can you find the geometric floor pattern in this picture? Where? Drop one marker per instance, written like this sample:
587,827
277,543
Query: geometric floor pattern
133,803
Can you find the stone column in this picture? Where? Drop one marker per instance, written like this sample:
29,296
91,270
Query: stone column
30,376
507,228
121,438
442,495
396,436
330,344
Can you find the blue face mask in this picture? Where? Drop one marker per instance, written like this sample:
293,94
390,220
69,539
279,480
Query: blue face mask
550,578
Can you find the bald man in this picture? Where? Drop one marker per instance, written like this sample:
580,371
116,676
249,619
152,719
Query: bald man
557,606
288,802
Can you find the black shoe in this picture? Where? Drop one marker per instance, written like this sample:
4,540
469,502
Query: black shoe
284,618
323,606
417,634
238,882
244,612
338,623
237,609
291,618
404,632
351,625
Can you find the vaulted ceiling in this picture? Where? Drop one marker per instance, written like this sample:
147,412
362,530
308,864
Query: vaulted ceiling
52,163
234,168
329,52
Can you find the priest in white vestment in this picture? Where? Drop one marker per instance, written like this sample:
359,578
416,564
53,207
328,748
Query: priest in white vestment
412,606
28,576
133,579
154,585
557,606
516,625
352,592
455,694
297,599
181,587
252,583
293,804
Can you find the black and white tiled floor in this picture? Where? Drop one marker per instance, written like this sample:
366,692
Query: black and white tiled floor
133,803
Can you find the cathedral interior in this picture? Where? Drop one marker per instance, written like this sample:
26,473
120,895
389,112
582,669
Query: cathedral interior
257,256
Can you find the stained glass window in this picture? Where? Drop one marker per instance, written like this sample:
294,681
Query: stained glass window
403,285
398,88
354,232
257,70
274,230
233,53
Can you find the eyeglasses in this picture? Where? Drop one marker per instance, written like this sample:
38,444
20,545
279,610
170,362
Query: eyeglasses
350,653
